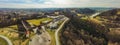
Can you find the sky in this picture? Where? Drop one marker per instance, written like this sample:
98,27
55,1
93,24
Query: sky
58,3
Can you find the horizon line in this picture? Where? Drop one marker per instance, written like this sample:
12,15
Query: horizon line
58,7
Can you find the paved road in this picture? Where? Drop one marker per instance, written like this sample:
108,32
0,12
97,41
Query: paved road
57,31
8,41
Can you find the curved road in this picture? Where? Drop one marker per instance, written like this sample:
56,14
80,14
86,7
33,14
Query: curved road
57,31
8,41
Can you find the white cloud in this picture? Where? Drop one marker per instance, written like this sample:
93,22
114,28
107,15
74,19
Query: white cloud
62,3
48,3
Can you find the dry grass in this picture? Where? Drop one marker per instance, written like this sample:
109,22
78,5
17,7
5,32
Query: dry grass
52,34
38,21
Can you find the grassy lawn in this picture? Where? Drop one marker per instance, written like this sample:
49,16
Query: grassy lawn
13,27
3,42
38,21
52,34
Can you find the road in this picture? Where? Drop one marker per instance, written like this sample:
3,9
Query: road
57,31
8,41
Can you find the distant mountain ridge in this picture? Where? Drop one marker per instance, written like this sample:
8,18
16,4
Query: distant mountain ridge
52,9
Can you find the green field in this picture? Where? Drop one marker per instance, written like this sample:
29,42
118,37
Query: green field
38,21
33,21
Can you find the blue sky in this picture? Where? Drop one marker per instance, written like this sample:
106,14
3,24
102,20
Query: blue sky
58,3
